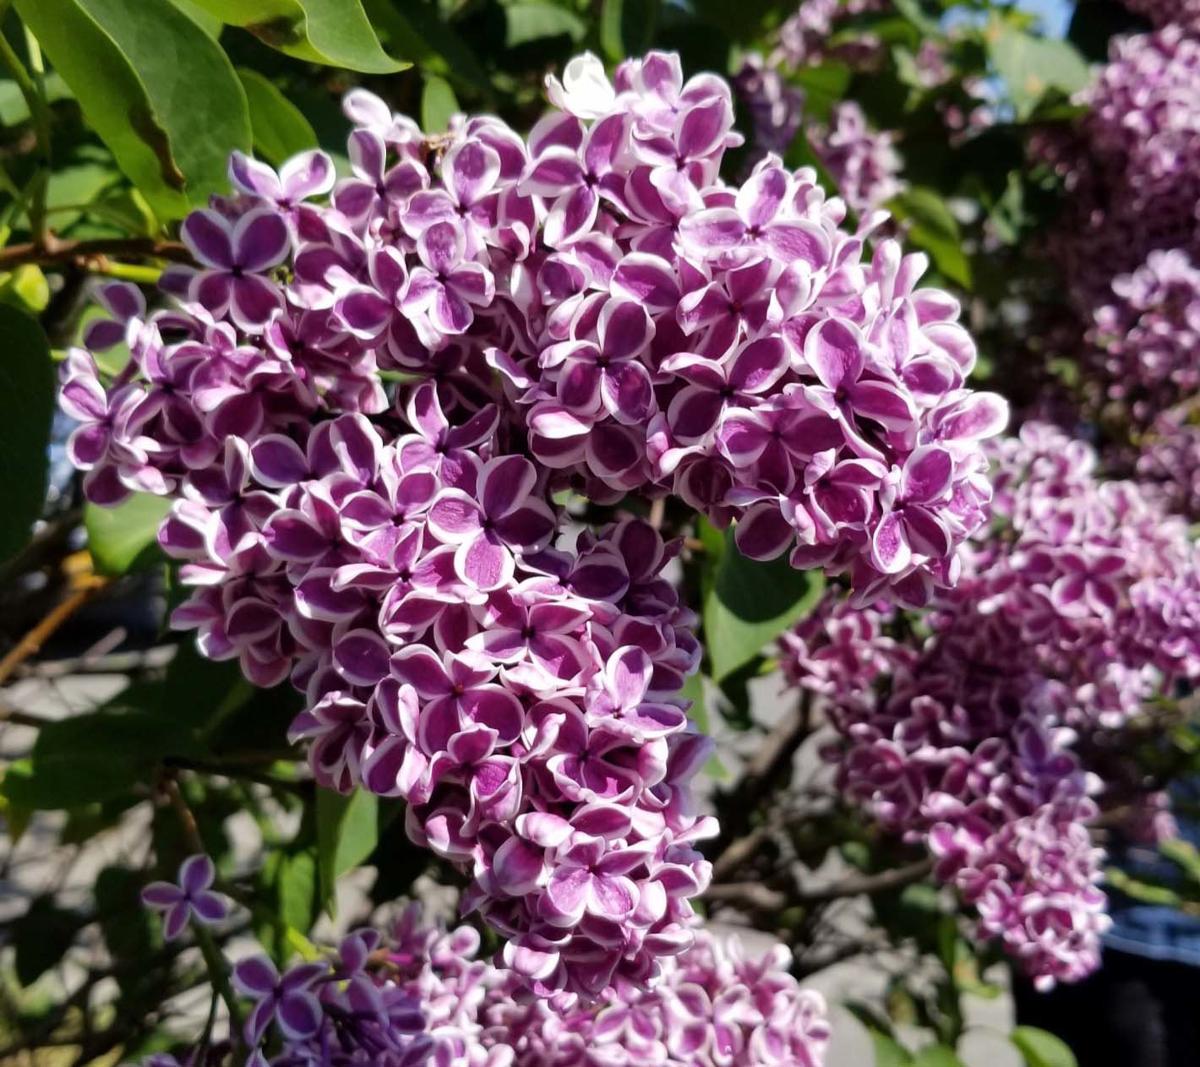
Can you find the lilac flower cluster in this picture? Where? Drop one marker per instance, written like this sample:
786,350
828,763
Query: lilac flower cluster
1082,604
1182,13
338,1011
863,162
713,1007
1133,171
654,329
806,37
422,997
1167,456
1148,337
521,698
362,409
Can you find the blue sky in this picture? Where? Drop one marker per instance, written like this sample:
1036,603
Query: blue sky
1055,14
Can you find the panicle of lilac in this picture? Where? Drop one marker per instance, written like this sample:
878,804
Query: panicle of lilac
421,997
776,107
1076,607
1133,164
654,329
712,1006
594,295
1168,457
806,37
1141,352
1162,13
1148,336
521,698
863,162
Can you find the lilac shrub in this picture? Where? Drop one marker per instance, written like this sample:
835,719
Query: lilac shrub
1078,607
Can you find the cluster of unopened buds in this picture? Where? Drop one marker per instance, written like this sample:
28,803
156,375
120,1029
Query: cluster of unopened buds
1079,606
366,408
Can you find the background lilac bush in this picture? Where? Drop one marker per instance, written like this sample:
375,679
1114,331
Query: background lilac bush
483,434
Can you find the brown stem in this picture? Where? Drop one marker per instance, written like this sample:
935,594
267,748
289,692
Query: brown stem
753,896
866,884
32,642
760,897
767,766
56,250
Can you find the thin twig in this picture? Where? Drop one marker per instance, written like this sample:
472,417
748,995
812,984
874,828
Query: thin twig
218,968
32,642
760,897
753,896
865,884
765,768
59,251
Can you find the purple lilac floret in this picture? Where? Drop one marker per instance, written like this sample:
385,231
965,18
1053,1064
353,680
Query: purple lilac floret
189,899
1081,604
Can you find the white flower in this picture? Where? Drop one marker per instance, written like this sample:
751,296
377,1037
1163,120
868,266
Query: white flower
584,91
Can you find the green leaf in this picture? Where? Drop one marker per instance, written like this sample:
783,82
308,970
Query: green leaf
119,537
1030,66
417,30
933,229
157,89
823,86
936,1056
26,410
888,1051
750,603
41,937
92,757
210,24
280,128
347,831
336,33
128,928
533,21
13,108
438,104
296,884
627,27
26,289
1041,1049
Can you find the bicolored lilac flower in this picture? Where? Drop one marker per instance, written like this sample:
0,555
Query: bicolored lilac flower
188,899
235,253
